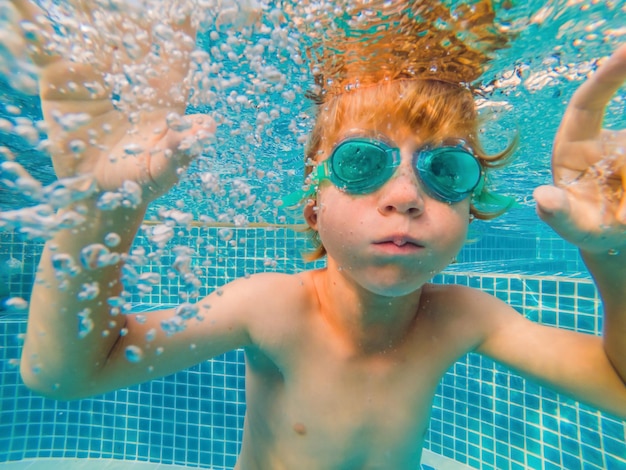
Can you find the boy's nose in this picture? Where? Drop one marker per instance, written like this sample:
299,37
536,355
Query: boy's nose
403,193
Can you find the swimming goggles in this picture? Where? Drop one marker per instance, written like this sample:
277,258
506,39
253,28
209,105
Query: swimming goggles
361,165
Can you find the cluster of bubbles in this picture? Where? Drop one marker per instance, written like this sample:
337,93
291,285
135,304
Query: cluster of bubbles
232,75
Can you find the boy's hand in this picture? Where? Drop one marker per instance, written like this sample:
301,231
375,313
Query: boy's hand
587,205
114,109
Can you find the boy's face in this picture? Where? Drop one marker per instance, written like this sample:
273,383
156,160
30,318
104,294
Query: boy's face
394,239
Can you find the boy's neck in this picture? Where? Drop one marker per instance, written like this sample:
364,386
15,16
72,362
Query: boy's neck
370,323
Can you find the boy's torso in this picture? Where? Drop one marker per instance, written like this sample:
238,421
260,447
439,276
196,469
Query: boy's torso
314,401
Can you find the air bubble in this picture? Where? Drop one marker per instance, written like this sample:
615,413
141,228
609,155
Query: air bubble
64,265
89,291
225,234
29,187
77,146
173,325
186,311
134,354
14,363
12,109
85,323
133,149
161,234
176,216
112,240
63,192
109,201
131,194
115,301
151,334
6,126
96,256
177,123
5,153
182,262
96,90
26,131
70,122
147,281
15,305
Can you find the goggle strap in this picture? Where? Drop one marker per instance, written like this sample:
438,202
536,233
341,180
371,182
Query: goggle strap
319,173
293,199
498,200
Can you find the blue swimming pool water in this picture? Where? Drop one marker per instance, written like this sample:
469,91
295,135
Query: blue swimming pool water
483,415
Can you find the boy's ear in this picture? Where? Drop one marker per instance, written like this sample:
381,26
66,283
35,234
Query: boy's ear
310,214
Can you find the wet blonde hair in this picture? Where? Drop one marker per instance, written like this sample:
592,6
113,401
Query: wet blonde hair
432,109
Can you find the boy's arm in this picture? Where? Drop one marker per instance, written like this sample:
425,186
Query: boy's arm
79,345
587,205
609,273
72,339
65,342
77,348
571,363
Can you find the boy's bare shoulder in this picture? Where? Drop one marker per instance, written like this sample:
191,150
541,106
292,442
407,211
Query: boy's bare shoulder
271,289
464,311
454,295
273,304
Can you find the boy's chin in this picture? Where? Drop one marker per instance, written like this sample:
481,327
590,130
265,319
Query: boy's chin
399,290
393,287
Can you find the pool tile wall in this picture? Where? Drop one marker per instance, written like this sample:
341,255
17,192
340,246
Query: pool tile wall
483,415
490,418
221,254
191,418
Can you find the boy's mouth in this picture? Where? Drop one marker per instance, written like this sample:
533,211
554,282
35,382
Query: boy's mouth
400,241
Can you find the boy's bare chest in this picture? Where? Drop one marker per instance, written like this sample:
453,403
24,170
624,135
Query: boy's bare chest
322,398
371,408
379,392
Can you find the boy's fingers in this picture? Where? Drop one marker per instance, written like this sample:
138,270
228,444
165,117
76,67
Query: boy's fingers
28,10
585,113
552,204
36,31
188,144
179,148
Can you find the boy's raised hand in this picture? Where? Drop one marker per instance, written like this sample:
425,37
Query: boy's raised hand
587,205
114,109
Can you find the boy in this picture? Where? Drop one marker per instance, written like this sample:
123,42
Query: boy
342,362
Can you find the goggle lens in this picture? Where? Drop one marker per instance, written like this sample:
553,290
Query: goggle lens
450,173
360,166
